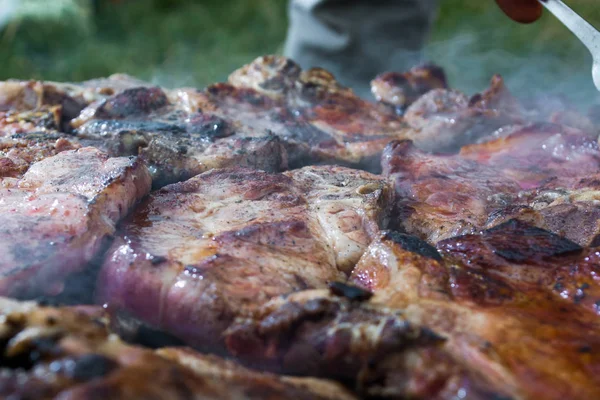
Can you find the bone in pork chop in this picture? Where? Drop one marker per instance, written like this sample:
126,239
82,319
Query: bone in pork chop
176,141
199,253
542,173
67,353
56,216
510,313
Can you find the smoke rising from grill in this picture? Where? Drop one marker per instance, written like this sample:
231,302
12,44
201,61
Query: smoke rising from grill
473,55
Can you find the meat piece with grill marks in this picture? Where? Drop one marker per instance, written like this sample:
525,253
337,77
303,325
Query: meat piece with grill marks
542,173
57,214
67,353
516,303
199,253
342,336
319,120
177,140
509,313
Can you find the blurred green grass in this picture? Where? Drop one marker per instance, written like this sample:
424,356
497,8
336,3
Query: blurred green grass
185,42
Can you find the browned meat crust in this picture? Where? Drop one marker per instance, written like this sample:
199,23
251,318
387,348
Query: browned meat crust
62,353
56,216
516,303
399,90
199,253
543,174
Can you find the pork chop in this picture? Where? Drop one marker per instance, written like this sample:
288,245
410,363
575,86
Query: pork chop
56,216
318,120
176,141
199,253
67,353
516,303
542,173
510,313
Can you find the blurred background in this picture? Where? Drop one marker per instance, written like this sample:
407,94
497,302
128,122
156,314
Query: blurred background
194,43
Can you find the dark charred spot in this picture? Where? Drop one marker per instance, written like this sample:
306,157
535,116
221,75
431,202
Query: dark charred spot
519,242
595,241
413,244
586,349
155,260
352,293
36,350
209,126
133,102
90,366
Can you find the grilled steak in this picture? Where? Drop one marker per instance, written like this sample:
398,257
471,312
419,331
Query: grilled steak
543,174
68,98
341,336
55,217
67,353
319,120
176,141
516,303
199,253
510,313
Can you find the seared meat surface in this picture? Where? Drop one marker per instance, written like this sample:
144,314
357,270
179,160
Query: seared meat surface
319,120
55,217
516,303
198,253
509,313
399,90
543,174
339,335
175,140
467,270
67,353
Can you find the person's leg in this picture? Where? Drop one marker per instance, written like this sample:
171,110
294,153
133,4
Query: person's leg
358,39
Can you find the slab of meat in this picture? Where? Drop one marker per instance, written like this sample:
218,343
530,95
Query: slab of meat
71,98
517,303
340,335
542,173
199,253
56,216
67,353
319,120
510,313
175,139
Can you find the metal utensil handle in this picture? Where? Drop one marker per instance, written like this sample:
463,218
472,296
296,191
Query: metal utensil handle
588,35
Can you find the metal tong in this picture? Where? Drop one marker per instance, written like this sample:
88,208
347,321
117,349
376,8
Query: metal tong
588,35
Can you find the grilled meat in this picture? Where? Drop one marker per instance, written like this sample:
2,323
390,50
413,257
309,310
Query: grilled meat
174,139
69,98
67,353
516,303
399,90
509,313
199,253
542,173
319,120
341,336
55,217
443,120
